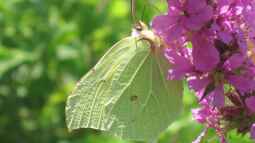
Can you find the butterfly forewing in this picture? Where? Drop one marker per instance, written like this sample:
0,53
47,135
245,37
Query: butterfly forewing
101,87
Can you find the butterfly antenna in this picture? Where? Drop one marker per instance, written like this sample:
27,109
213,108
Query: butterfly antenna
136,23
133,11
153,6
143,14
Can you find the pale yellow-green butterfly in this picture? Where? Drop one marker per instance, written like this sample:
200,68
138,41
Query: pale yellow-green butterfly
127,93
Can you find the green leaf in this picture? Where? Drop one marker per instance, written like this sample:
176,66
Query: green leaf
126,93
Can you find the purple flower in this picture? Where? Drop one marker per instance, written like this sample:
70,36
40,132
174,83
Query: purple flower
252,131
207,115
217,96
250,103
249,11
205,55
181,64
226,37
242,83
200,114
182,17
170,26
165,24
234,62
199,83
197,14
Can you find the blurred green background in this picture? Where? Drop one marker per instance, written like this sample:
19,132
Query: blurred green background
46,46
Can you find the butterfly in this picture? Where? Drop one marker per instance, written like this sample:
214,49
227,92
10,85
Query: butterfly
127,93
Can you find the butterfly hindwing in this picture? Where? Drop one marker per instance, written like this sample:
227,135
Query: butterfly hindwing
150,103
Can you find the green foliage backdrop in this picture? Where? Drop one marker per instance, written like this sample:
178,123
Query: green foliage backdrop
45,47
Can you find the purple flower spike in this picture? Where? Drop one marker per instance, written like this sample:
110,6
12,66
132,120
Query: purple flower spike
211,44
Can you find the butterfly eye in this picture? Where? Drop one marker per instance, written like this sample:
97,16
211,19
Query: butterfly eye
138,27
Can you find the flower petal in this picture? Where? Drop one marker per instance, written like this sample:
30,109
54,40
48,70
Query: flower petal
250,103
199,84
196,21
195,6
167,27
205,55
252,131
217,96
234,62
180,64
200,114
242,83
